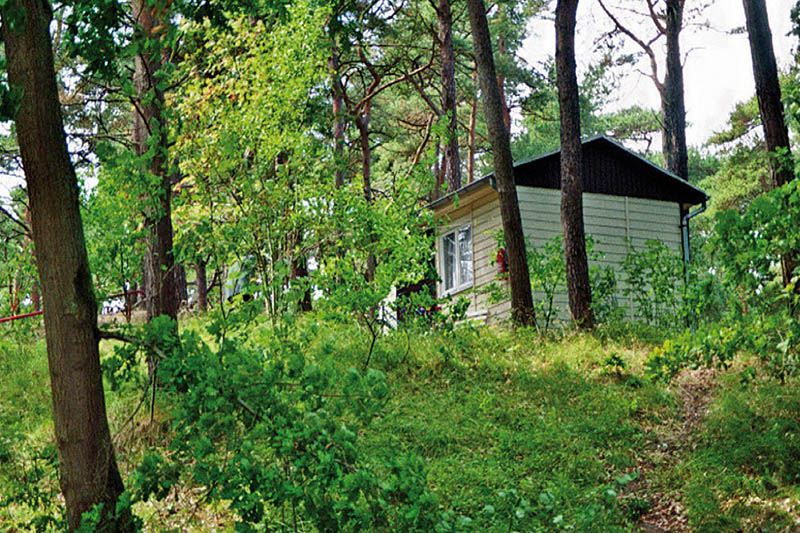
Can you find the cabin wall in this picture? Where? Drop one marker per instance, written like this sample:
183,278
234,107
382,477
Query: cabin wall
484,218
612,221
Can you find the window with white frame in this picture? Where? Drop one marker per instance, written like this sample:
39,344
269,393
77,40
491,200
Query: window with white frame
456,262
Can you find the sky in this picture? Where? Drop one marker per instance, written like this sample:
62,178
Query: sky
717,72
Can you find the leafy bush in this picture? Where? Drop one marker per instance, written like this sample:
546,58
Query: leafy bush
548,274
748,247
270,432
653,281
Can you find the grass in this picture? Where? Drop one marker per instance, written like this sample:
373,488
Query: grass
744,474
515,413
518,432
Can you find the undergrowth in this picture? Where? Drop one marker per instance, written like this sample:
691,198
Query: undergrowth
473,429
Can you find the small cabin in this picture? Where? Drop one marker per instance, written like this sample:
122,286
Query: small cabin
627,201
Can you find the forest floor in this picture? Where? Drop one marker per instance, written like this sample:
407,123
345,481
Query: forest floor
518,433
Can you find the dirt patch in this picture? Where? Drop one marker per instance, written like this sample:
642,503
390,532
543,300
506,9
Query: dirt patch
666,513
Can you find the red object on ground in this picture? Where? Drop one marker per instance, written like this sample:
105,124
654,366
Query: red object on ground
17,317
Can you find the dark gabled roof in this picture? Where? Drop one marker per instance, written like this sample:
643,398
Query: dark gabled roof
608,168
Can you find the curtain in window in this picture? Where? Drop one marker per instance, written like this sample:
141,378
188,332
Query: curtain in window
449,253
465,255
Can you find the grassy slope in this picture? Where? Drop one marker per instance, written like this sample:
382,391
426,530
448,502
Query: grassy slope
502,420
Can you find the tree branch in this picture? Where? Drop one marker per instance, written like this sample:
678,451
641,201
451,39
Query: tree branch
648,49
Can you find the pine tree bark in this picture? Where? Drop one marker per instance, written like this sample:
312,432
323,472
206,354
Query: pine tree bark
149,122
501,79
768,91
473,116
578,287
452,160
521,297
181,286
673,107
88,468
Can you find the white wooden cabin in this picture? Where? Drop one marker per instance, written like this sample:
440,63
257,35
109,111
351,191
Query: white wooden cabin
627,200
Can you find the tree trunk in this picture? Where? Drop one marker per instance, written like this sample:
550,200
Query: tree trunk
672,98
149,113
768,91
181,287
338,119
88,468
15,294
768,88
473,115
521,298
366,165
201,285
452,159
437,175
578,287
501,80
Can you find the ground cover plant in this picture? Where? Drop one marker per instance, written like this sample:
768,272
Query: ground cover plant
467,430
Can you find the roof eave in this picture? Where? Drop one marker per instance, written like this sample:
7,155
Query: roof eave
463,190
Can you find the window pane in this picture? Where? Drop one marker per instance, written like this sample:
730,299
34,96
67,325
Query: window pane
449,252
465,255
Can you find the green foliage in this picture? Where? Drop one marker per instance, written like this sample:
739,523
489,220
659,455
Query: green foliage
253,171
773,338
548,274
748,246
514,429
711,347
17,267
653,282
268,431
28,458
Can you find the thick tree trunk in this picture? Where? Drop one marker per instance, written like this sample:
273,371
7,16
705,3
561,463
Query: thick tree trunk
768,91
672,97
578,287
88,468
201,285
149,115
519,277
338,119
452,160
